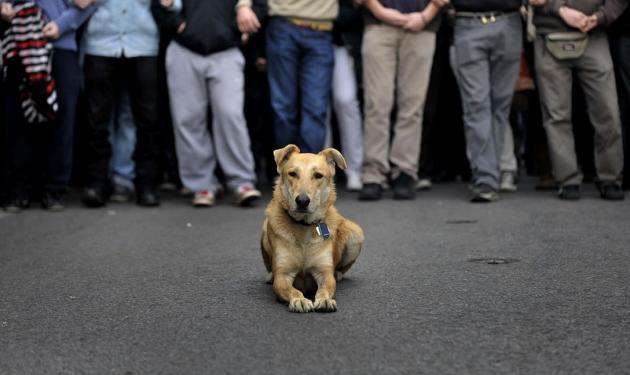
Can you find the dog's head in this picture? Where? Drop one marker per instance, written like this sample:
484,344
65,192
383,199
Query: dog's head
306,182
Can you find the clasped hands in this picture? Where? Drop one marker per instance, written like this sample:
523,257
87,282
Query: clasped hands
573,17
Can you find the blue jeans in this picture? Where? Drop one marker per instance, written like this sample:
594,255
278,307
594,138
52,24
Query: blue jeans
300,67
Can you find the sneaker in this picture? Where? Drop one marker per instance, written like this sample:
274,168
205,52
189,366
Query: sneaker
247,195
484,193
353,181
371,192
569,192
121,194
404,187
94,197
17,204
53,201
424,184
611,191
204,198
508,182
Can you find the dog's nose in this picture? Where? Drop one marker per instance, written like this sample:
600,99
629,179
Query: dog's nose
302,201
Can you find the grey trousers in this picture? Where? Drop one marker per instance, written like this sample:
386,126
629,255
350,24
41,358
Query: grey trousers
194,82
348,111
485,59
396,68
555,80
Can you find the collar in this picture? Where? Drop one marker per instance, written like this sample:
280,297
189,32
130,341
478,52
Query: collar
320,227
301,222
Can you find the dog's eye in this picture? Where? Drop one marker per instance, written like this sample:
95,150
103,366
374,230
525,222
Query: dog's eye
292,174
318,176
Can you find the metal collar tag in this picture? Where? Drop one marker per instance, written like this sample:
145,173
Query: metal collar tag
322,230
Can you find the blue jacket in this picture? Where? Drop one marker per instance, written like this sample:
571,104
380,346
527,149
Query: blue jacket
122,28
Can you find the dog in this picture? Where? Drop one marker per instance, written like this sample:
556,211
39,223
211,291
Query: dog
307,246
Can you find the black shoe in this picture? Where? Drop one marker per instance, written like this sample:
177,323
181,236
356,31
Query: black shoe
404,187
484,193
569,192
611,191
371,192
121,194
94,197
52,201
17,204
147,196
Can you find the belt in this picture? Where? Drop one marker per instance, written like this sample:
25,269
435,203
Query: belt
484,17
311,24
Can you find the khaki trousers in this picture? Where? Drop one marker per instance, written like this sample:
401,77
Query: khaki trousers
396,69
596,76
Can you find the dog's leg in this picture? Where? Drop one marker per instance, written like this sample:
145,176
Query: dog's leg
326,286
353,242
283,287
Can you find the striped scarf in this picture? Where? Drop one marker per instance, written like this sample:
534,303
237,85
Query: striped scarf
28,54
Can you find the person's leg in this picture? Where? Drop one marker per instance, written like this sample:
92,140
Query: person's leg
123,140
505,62
283,58
596,75
621,56
142,84
415,58
231,138
471,67
102,79
555,80
348,113
379,53
315,85
189,107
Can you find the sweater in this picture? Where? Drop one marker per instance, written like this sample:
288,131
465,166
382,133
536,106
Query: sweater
210,25
547,19
68,17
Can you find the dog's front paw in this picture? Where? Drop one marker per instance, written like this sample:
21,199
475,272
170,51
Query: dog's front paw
326,305
301,305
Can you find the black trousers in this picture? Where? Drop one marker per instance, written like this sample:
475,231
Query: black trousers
620,48
40,155
103,76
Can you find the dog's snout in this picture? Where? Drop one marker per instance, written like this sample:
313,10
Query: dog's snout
302,201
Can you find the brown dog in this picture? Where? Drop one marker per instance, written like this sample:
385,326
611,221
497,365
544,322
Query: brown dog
306,244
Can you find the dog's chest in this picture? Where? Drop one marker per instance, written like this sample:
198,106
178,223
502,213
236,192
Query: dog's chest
311,251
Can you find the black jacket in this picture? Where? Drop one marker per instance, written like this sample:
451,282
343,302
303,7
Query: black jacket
486,5
210,25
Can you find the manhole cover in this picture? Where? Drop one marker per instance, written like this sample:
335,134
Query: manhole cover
493,261
462,221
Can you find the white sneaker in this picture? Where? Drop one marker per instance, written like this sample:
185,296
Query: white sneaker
508,182
353,181
247,195
204,199
423,184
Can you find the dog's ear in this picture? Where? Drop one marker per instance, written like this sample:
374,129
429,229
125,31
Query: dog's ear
334,157
282,155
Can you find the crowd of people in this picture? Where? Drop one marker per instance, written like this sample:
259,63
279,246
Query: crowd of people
126,96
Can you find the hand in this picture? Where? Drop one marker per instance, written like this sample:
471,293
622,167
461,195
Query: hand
416,22
181,27
7,12
537,3
83,4
247,21
393,17
591,23
166,4
51,31
358,3
573,17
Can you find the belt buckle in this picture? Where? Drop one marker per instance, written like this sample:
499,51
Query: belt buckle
488,19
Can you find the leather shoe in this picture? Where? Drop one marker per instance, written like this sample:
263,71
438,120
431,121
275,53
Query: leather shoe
94,197
147,197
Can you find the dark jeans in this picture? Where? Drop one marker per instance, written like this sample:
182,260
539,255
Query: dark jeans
300,66
103,76
41,154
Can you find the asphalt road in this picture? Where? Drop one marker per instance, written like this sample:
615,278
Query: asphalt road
178,290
